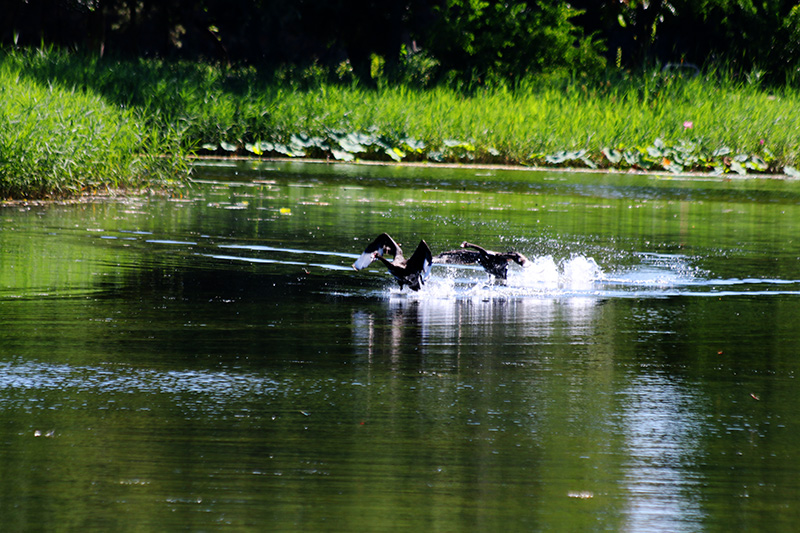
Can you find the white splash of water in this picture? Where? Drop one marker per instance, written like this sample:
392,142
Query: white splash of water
437,287
545,274
440,287
656,270
542,273
580,272
582,279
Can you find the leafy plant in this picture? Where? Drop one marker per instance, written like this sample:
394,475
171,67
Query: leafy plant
62,142
710,122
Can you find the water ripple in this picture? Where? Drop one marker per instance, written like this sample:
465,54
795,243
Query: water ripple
654,276
21,376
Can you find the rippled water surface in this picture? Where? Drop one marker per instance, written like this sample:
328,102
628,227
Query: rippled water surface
212,362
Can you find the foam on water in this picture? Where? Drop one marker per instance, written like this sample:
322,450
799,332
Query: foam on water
580,275
543,275
577,272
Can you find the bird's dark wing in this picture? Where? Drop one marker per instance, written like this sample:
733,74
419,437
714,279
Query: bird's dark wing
376,249
493,263
457,257
421,261
517,257
496,263
480,249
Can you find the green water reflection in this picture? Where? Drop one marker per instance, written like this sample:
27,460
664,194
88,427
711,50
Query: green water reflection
211,362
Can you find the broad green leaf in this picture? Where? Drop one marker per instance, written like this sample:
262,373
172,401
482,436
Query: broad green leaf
613,156
791,171
395,154
723,150
342,155
737,167
254,148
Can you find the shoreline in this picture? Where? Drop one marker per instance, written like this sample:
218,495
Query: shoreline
120,193
87,198
498,166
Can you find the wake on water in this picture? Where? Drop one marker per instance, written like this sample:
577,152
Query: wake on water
655,276
649,275
544,275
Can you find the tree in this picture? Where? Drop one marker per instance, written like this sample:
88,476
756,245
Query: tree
475,41
488,39
741,33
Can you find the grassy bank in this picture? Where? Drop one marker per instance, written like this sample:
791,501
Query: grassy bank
712,122
60,141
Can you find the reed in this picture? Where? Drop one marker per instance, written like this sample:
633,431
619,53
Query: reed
716,121
654,120
58,141
705,123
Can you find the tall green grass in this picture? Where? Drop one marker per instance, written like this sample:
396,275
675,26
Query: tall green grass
531,124
58,140
711,122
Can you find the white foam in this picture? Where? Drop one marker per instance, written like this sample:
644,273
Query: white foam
542,273
580,281
440,287
580,272
543,276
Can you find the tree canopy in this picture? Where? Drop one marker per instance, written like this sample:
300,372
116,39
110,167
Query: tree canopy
469,40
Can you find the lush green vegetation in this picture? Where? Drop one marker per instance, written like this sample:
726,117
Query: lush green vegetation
58,140
633,84
461,41
667,120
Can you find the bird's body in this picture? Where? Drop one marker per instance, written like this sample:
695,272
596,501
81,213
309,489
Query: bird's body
412,272
456,257
494,263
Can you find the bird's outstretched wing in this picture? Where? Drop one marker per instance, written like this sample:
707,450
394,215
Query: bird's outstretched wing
421,261
416,270
383,244
496,264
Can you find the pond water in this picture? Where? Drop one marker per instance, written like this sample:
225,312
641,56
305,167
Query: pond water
212,362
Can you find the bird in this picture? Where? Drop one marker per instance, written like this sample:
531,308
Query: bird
413,272
494,263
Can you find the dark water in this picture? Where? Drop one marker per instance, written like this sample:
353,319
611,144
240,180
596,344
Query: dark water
211,362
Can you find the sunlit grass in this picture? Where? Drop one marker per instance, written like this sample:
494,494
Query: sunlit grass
711,122
62,141
713,114
704,116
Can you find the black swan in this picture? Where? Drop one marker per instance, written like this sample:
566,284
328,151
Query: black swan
412,272
495,263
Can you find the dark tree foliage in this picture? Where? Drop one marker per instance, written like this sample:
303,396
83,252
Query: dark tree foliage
745,35
476,41
508,39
